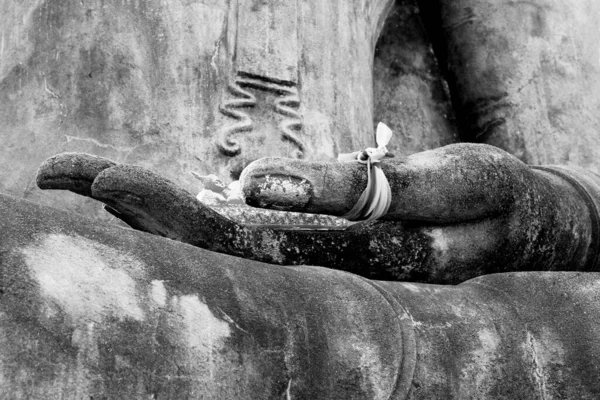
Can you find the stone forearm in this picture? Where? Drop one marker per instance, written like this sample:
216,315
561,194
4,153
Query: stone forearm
101,311
514,335
97,311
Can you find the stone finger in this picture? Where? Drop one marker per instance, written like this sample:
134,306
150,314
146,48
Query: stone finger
71,171
446,185
296,185
152,203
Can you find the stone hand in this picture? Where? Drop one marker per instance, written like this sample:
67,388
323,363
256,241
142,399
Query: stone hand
457,212
148,202
141,198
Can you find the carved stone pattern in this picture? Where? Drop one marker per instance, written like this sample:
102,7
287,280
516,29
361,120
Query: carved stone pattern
286,105
226,144
246,215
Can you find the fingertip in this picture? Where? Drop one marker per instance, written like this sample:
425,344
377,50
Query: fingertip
71,171
266,183
304,186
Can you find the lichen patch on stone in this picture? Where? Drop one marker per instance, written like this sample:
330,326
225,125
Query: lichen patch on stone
202,330
79,277
158,293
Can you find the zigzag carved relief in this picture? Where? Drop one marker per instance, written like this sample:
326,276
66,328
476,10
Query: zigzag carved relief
226,144
286,105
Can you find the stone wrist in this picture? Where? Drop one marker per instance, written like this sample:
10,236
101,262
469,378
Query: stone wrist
587,184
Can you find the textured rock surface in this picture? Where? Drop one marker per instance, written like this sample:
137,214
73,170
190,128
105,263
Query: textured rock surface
89,310
505,336
524,75
410,93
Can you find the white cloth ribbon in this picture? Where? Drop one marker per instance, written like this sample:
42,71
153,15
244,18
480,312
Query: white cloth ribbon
375,200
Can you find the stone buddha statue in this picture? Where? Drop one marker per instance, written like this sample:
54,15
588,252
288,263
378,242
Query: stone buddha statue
432,300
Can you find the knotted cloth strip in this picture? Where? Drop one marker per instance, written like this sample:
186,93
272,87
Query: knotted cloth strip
375,200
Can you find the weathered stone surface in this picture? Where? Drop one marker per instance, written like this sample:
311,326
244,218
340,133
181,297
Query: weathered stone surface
91,310
410,92
505,336
247,215
524,76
